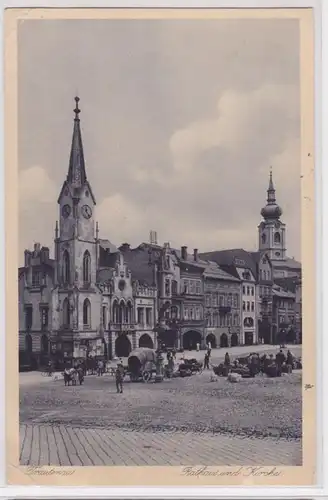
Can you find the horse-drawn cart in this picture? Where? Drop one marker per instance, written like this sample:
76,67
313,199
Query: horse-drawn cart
142,364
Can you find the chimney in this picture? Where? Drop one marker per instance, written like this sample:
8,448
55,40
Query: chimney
195,254
153,237
37,247
44,254
184,253
124,247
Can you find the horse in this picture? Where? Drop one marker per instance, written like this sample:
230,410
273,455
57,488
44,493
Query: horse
70,375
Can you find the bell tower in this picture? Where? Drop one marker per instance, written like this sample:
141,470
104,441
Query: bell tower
77,247
272,231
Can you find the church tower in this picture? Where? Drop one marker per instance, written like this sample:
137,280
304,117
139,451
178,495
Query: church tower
272,231
76,252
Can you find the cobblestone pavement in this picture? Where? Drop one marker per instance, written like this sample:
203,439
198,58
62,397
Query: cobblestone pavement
68,446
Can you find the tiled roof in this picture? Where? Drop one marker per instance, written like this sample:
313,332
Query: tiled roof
287,263
107,245
137,260
213,270
284,294
227,260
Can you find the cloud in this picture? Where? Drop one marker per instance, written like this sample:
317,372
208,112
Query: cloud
36,185
244,120
37,208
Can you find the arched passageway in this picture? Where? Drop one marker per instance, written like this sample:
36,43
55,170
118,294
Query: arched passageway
211,339
234,340
191,339
224,340
146,341
167,338
122,346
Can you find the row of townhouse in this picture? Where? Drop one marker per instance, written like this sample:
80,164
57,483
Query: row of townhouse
148,295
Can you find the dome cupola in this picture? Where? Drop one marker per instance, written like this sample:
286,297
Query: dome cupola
272,210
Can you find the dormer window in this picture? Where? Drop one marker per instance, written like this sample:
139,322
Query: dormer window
36,277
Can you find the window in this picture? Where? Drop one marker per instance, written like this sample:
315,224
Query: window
167,287
248,305
229,300
126,315
148,316
185,286
115,312
86,267
174,287
86,313
66,267
229,319
198,288
36,277
185,313
44,317
263,238
236,320
141,318
66,313
104,316
269,275
244,290
221,298
252,290
208,300
277,237
197,313
244,306
28,317
192,287
174,312
215,321
252,307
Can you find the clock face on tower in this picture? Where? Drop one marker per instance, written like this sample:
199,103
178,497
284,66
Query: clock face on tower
66,210
86,211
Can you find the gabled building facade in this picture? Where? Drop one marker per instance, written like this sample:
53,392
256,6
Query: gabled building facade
223,313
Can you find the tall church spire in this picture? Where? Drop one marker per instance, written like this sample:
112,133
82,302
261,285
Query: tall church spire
272,209
76,172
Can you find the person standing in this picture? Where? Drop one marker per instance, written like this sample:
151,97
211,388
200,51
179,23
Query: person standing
119,375
206,361
227,359
197,347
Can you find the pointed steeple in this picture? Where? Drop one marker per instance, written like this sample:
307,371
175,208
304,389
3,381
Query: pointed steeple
271,210
271,190
76,172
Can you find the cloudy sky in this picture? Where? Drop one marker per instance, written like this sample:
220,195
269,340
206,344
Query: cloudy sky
181,121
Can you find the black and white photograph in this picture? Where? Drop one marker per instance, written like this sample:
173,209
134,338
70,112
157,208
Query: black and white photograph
160,263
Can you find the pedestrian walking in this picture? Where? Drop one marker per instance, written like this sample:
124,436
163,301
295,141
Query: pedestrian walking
119,375
197,347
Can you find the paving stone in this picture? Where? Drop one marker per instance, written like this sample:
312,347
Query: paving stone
67,446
